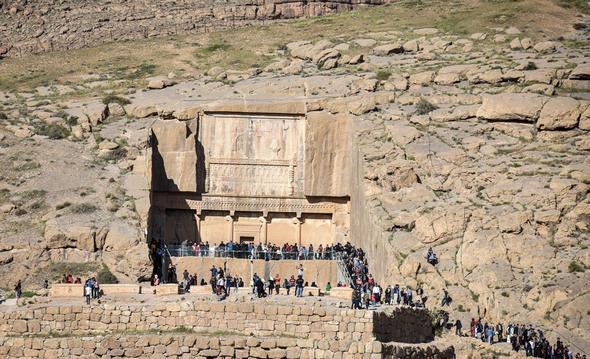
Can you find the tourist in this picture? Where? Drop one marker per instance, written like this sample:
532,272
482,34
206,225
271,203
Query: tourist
356,299
376,294
299,285
328,287
271,286
18,290
499,332
277,281
420,293
46,284
259,284
156,280
458,327
388,295
95,288
292,283
88,292
287,286
446,300
396,294
300,270
431,257
367,299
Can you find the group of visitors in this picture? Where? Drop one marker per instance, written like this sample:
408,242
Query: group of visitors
522,337
221,282
252,251
371,294
69,279
262,288
91,289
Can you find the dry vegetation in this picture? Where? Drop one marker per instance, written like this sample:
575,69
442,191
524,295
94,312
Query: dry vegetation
188,55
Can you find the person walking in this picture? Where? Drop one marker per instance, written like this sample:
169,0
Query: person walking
18,290
458,327
299,286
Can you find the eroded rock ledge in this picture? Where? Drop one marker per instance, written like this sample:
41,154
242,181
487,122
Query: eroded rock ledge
41,26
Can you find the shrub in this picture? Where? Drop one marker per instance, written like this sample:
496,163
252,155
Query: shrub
530,66
53,131
574,267
383,75
3,116
81,208
63,205
115,99
105,276
505,294
424,107
143,70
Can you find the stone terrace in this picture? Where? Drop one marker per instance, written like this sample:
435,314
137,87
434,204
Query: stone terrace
305,328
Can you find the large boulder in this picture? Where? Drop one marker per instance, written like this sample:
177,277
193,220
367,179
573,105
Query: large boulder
159,82
581,72
388,49
121,237
559,113
511,107
61,233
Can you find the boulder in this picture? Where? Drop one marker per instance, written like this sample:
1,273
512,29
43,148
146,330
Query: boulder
365,42
581,72
121,236
422,78
515,44
116,110
60,233
411,46
388,49
585,119
545,46
511,107
559,113
159,82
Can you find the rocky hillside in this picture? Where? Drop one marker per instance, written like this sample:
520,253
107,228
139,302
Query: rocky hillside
475,144
49,25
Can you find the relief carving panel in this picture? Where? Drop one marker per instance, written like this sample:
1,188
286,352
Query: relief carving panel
253,155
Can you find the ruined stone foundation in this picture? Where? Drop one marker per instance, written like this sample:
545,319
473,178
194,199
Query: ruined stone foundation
190,329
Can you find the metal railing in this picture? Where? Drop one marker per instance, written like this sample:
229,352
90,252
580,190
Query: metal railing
343,268
179,250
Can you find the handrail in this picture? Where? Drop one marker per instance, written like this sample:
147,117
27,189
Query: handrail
212,252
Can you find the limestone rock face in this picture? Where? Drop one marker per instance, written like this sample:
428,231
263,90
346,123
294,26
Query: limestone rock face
61,233
559,113
121,236
327,154
174,157
511,107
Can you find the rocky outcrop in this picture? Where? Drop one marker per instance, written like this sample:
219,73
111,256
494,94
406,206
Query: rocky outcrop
41,26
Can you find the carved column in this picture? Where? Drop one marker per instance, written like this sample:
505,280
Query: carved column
297,221
198,220
263,230
230,219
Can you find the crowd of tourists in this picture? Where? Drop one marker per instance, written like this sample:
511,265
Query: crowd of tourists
521,337
248,250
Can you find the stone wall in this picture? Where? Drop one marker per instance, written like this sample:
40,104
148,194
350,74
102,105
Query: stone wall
41,26
203,346
261,319
240,329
